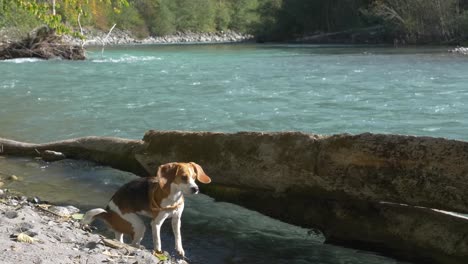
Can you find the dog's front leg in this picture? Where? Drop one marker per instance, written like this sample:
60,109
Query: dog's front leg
177,235
156,229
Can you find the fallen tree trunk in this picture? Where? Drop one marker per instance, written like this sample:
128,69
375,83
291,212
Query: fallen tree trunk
43,43
339,184
115,152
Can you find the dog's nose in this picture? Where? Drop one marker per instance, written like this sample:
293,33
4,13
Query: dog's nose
194,190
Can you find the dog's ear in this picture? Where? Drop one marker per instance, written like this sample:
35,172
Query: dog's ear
166,174
201,175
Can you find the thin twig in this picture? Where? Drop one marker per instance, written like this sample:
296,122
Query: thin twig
81,31
105,39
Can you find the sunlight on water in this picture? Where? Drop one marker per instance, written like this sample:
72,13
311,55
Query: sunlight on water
126,59
316,89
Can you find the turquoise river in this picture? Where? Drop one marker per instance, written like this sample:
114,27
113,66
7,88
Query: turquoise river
315,89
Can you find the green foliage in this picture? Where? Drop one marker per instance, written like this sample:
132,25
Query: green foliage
421,20
148,12
222,17
195,15
462,24
16,21
244,14
165,20
413,20
129,19
45,11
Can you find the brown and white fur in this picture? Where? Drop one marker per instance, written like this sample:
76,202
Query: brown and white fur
159,198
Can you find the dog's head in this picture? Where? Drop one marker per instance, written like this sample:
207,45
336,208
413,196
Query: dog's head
181,176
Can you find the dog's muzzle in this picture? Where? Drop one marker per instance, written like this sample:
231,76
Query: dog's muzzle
194,190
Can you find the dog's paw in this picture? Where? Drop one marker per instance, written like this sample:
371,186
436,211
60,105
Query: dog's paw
180,251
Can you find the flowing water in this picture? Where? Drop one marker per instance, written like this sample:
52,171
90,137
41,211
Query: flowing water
315,89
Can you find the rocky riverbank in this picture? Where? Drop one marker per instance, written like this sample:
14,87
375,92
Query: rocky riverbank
119,37
35,232
460,50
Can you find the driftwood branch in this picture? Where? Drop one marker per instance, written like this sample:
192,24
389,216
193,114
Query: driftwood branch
115,152
43,43
104,41
83,42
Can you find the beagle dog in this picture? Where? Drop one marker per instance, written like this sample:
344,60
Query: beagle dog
159,198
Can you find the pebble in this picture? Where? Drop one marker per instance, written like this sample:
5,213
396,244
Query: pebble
34,200
64,210
11,214
13,178
24,226
13,202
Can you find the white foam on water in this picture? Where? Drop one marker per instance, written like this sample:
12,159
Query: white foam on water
127,59
431,129
23,60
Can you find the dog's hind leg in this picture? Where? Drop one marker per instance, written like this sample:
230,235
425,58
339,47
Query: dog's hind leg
138,228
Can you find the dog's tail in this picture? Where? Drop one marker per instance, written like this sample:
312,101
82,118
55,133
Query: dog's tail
89,217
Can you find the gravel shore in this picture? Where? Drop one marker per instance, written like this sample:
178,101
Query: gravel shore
119,37
31,232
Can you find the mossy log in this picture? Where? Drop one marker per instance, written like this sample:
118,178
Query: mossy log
42,43
364,191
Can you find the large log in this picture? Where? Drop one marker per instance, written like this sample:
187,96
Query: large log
115,152
339,184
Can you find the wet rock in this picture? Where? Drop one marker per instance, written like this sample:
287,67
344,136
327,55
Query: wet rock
49,155
34,200
13,178
2,193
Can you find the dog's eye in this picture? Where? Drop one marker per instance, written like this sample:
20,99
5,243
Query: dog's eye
184,177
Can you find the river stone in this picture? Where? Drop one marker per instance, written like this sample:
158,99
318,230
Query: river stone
24,226
11,214
50,155
13,178
64,210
